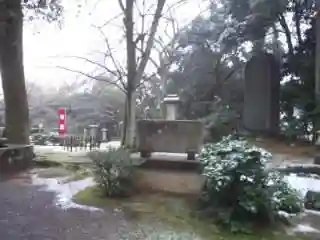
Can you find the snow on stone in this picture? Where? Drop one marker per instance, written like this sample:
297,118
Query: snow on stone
303,184
171,98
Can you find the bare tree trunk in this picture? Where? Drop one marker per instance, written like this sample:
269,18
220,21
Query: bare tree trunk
131,83
317,68
12,73
287,32
124,126
297,20
131,121
135,73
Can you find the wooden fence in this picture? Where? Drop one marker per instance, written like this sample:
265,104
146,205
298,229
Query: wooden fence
75,143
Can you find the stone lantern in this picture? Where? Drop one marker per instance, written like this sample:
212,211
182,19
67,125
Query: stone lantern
171,103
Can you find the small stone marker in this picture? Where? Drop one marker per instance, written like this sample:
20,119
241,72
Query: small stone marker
3,142
104,132
312,200
316,160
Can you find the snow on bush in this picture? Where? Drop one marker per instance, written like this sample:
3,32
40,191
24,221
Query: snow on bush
238,190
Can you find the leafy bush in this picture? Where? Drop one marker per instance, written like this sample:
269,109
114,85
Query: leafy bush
220,123
238,189
113,172
44,139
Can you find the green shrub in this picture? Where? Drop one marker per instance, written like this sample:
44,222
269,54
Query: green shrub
44,139
285,198
238,191
113,172
220,123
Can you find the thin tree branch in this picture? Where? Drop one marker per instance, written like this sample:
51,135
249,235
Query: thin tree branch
122,5
116,64
157,65
286,29
114,73
97,78
110,20
94,63
149,44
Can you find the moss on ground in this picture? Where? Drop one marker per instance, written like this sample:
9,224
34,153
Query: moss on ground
51,172
68,174
80,174
172,211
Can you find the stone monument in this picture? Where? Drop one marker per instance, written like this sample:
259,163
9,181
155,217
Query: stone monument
85,132
104,132
171,103
93,130
261,94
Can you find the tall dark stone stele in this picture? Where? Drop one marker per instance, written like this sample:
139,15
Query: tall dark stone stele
261,94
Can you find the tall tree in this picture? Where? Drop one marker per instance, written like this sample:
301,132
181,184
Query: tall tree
317,64
251,18
135,70
139,43
12,72
11,63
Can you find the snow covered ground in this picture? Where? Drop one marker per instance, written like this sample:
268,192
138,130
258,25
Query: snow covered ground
76,151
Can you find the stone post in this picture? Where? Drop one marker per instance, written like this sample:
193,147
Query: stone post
171,103
104,132
85,133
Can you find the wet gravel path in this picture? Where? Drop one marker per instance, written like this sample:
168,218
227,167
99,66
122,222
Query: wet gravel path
29,214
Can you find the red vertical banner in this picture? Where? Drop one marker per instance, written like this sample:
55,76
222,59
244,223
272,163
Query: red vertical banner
62,121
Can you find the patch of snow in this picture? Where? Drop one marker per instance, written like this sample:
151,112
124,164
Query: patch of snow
171,98
65,191
286,215
299,165
313,212
305,228
303,184
76,151
111,144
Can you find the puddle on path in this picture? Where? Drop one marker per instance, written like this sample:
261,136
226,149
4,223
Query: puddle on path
64,190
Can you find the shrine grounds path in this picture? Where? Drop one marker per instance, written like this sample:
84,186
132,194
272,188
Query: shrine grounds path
29,214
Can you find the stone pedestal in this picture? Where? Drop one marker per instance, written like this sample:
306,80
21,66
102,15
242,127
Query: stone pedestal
261,94
171,103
